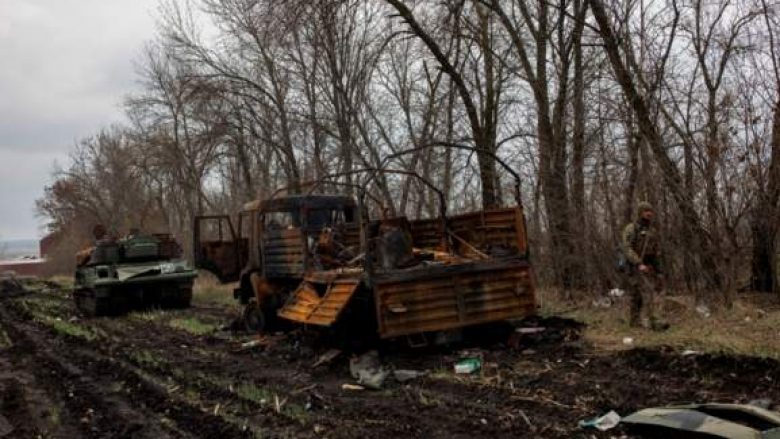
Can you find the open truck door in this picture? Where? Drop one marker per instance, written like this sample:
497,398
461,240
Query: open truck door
217,247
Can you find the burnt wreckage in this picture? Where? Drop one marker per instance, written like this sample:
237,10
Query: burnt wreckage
319,260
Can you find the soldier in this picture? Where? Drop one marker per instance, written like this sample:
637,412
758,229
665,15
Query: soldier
640,245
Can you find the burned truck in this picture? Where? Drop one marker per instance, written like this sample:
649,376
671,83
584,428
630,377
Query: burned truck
319,260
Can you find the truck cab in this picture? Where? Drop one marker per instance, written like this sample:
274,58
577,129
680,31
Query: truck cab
272,243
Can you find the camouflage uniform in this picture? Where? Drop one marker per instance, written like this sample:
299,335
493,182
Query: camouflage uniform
640,245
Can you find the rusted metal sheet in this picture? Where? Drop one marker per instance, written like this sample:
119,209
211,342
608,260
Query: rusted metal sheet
306,306
283,252
483,229
445,297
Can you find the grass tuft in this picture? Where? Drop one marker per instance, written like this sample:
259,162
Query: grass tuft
146,358
149,315
68,328
5,341
208,291
193,326
253,393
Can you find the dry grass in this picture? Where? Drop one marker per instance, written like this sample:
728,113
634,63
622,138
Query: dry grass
751,327
64,281
193,326
207,290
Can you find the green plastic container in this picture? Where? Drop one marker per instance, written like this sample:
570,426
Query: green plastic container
468,365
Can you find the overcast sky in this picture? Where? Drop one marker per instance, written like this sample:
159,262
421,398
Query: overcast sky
65,66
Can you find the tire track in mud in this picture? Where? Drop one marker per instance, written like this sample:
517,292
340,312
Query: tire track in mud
177,380
208,366
87,399
85,378
366,413
122,339
429,408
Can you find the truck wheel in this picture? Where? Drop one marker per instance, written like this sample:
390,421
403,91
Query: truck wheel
254,319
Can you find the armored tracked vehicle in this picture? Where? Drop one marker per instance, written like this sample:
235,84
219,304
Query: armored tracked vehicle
137,272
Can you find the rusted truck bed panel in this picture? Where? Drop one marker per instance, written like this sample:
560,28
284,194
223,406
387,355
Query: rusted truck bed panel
497,227
446,297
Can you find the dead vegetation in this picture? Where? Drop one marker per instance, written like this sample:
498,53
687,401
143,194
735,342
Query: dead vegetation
750,327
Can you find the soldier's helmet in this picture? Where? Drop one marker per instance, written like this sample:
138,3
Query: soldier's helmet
644,206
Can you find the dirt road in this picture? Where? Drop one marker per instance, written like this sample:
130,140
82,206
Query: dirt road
174,374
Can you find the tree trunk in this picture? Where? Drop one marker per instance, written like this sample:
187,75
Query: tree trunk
765,218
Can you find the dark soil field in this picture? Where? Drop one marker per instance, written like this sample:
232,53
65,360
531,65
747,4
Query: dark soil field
161,374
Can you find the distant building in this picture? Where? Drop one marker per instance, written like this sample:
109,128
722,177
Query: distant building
47,244
27,264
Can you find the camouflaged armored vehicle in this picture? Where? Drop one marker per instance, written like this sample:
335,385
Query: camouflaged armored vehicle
137,272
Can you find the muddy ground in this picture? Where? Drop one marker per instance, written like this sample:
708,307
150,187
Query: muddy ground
164,374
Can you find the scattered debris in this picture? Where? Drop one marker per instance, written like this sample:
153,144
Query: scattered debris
251,344
689,352
368,370
304,389
348,386
490,372
617,292
602,423
265,341
278,404
468,365
448,337
532,330
327,357
727,421
404,375
704,311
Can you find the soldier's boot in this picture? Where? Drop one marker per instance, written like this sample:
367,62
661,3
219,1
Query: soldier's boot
658,325
635,311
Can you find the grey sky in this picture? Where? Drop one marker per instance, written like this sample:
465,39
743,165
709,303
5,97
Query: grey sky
65,66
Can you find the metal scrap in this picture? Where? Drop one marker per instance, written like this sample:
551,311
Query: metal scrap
368,370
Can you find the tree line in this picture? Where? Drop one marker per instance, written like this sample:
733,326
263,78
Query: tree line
595,104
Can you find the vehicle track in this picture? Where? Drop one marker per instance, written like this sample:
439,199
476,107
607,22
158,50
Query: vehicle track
137,376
